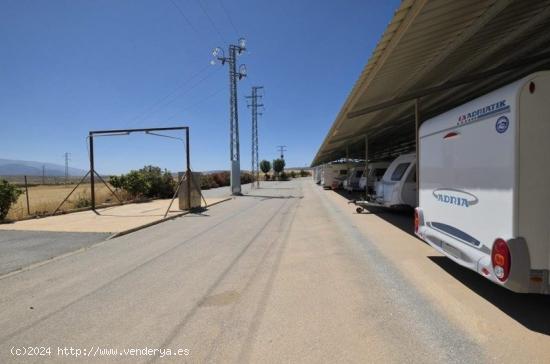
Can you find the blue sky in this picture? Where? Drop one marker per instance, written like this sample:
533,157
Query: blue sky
71,66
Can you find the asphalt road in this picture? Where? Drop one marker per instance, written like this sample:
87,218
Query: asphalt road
288,273
20,249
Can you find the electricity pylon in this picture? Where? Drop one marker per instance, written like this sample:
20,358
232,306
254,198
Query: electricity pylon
253,105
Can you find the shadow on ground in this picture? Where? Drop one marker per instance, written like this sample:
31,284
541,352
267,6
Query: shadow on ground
270,197
530,310
403,219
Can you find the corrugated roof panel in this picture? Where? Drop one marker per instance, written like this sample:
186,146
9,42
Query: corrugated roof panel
427,43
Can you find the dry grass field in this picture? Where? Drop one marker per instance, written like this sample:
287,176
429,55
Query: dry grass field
43,199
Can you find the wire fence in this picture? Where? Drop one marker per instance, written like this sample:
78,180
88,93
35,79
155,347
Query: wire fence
41,196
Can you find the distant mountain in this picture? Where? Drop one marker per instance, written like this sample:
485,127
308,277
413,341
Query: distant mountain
10,167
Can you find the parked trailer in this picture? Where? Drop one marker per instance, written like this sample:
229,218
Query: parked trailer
332,173
374,177
317,171
397,189
484,191
351,183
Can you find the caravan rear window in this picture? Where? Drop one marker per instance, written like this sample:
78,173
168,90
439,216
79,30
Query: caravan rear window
343,171
358,174
399,171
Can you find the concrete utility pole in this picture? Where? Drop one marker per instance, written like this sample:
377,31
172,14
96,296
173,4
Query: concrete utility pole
282,149
234,76
67,167
254,98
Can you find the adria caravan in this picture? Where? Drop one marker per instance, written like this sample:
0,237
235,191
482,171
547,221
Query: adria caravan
484,191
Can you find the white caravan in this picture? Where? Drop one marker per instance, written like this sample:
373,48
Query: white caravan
352,181
373,178
317,171
484,191
398,185
333,173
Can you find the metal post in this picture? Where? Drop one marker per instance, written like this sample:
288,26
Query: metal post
347,163
188,165
416,126
92,171
70,193
27,195
254,107
253,156
234,123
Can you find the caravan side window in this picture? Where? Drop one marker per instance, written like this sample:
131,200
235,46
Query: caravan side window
399,171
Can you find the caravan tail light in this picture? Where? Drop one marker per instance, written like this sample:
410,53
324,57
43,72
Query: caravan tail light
501,259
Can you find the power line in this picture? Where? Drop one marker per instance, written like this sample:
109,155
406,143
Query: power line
211,21
159,100
184,16
229,18
173,96
195,104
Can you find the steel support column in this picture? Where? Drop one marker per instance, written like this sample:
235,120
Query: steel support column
366,171
92,174
416,127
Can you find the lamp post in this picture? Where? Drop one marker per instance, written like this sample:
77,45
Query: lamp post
234,76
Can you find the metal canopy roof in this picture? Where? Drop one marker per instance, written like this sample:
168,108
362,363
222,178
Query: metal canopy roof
445,52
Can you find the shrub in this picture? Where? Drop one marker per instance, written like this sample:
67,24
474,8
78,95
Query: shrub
83,200
222,178
207,182
136,184
283,177
246,177
265,167
159,184
117,182
278,166
292,174
304,173
150,181
166,186
8,196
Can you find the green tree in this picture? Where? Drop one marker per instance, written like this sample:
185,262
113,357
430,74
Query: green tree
265,167
278,166
116,181
149,181
136,184
8,196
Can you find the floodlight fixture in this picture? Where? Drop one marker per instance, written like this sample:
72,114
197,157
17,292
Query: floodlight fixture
219,55
242,71
242,45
